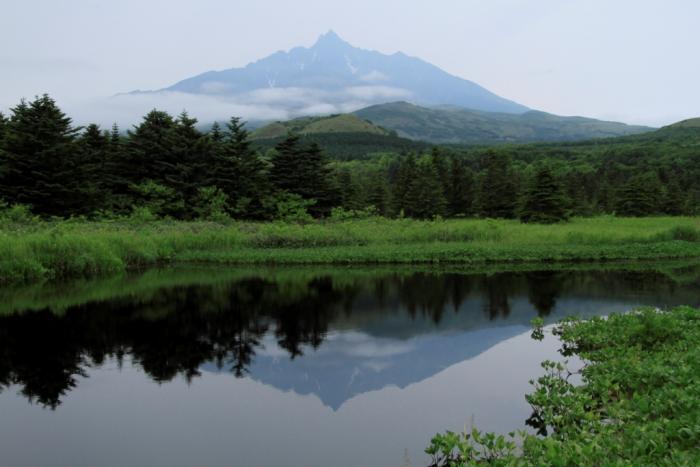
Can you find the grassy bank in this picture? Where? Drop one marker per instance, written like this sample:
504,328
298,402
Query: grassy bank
638,402
51,250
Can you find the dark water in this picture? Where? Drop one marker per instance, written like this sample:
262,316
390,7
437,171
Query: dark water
286,367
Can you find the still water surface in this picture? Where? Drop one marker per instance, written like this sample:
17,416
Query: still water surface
286,367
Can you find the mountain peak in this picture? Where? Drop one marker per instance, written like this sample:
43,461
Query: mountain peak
330,39
337,76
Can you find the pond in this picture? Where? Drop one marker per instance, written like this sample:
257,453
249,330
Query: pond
288,366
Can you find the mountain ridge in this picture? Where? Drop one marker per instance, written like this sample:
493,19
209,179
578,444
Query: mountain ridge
332,74
452,125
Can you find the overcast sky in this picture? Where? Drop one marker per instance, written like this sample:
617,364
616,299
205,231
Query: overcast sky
631,60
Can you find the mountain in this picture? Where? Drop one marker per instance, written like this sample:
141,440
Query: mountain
332,76
344,136
689,123
344,123
449,124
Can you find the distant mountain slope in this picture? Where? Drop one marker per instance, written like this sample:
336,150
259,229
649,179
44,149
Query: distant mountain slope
689,123
345,123
333,74
449,124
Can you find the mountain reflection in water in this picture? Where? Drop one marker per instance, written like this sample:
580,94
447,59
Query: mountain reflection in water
335,333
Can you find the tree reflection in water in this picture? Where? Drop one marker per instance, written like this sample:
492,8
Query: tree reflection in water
175,330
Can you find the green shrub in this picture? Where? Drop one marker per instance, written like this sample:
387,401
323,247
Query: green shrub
17,214
212,204
638,403
685,233
291,207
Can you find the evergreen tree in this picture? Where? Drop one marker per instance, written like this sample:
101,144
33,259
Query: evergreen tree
429,191
348,190
605,197
304,171
442,168
151,147
640,196
4,123
120,174
460,189
404,192
152,155
192,162
497,193
418,190
215,134
378,195
240,172
40,163
674,199
545,201
93,145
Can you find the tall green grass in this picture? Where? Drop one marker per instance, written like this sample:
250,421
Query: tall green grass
51,250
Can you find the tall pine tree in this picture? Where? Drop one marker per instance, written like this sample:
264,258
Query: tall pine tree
497,194
40,161
641,195
93,145
545,201
460,189
304,171
240,172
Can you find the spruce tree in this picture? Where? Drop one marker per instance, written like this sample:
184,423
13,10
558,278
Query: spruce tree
215,134
151,147
93,145
192,162
378,195
640,196
404,192
348,190
120,174
40,161
460,189
545,201
497,193
152,155
240,172
429,191
304,170
674,199
4,123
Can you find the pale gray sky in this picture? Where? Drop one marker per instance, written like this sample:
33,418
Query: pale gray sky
631,60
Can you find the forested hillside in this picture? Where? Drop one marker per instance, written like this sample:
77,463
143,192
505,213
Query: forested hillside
450,124
165,166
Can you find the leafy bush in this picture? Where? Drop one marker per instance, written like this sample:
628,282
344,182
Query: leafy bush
293,208
342,214
212,204
685,233
16,214
141,215
159,199
638,404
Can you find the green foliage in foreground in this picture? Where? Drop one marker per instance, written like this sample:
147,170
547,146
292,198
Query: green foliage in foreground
638,404
32,250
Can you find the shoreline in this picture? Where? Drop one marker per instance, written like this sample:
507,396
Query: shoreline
80,249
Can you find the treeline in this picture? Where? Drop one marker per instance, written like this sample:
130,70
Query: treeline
166,166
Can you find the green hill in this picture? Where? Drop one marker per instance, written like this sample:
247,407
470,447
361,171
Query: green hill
454,125
352,146
344,123
690,123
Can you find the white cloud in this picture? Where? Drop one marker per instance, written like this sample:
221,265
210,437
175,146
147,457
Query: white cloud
215,87
374,76
260,104
373,93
